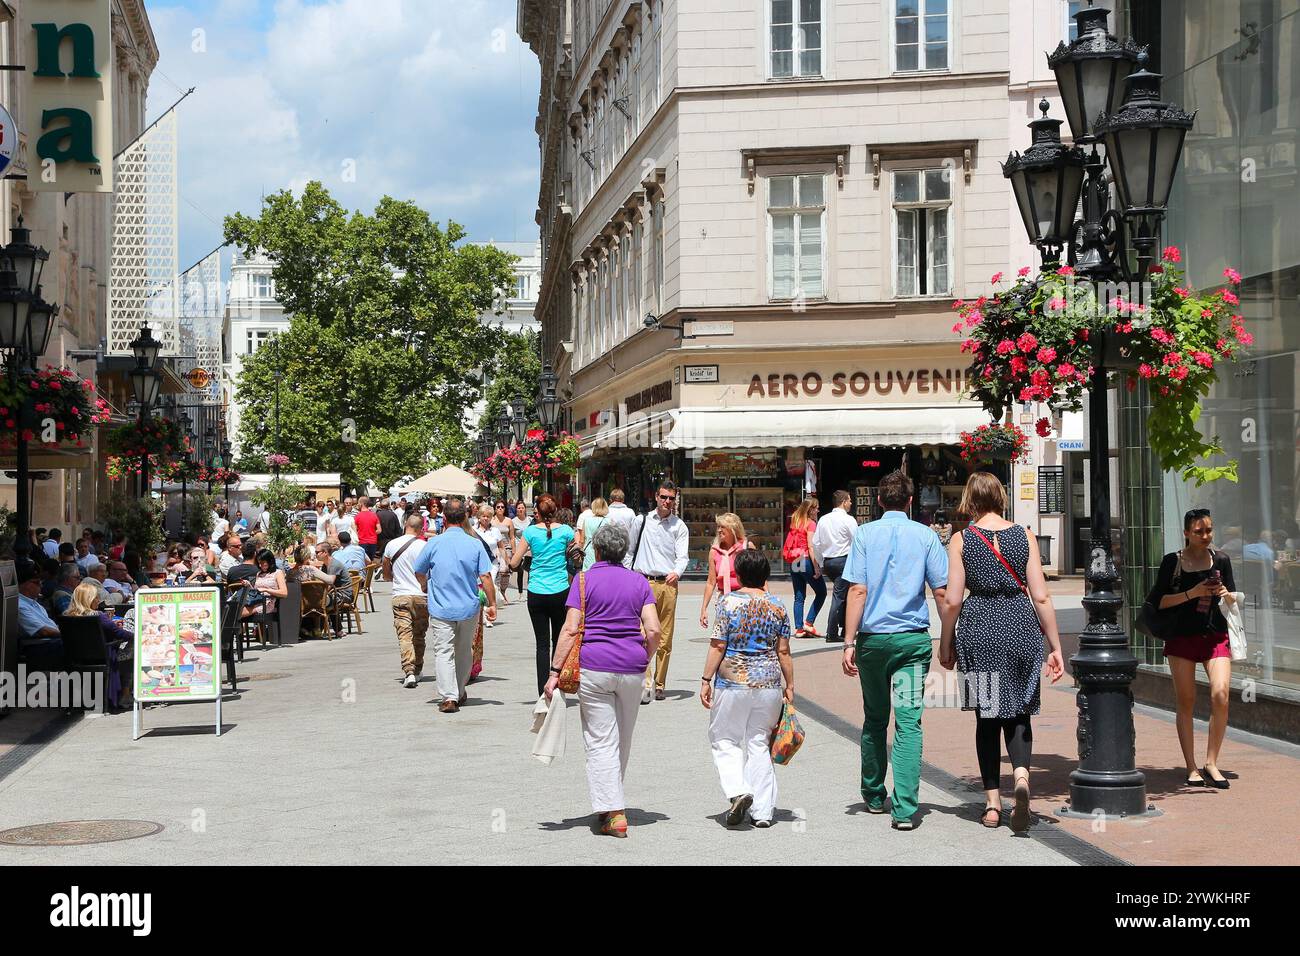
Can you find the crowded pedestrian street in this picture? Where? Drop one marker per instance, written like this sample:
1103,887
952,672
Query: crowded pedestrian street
327,759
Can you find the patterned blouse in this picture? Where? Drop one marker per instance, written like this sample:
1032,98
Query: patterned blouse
752,628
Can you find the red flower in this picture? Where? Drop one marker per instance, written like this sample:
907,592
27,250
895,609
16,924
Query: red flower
1047,355
1172,254
1066,370
1173,358
1178,373
1023,272
1027,342
1065,271
1146,371
1043,427
1018,365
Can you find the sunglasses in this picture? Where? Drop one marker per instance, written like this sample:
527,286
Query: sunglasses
667,497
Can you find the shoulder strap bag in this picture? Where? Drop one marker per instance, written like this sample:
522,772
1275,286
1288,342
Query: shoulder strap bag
571,672
640,534
1151,620
998,554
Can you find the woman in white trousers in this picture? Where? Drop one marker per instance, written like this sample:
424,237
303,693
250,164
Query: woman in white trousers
614,610
747,676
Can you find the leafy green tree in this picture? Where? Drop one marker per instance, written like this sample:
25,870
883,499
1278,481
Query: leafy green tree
516,372
281,497
385,328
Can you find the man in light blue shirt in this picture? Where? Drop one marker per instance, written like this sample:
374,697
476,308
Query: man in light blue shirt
351,556
887,641
33,620
452,567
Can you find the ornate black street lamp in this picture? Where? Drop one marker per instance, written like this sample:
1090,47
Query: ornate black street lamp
1143,139
225,457
519,424
26,321
505,434
187,458
145,381
548,406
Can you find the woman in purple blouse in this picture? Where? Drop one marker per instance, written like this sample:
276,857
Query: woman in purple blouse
620,633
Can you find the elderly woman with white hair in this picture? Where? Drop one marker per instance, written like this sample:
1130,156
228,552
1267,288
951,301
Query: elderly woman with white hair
615,610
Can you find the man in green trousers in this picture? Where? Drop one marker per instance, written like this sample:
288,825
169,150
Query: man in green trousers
887,641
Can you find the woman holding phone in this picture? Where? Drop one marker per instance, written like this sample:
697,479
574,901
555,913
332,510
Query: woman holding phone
1190,588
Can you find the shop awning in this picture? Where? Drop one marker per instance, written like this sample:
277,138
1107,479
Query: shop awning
822,427
648,431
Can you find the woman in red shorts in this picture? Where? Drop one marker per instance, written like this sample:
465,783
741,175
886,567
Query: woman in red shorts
1189,587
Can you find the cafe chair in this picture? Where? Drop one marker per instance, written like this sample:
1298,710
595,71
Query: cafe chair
344,606
363,593
230,635
86,652
314,610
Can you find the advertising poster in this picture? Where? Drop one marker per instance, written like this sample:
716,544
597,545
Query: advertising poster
178,644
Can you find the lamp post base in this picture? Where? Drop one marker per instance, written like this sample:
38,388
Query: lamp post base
1069,813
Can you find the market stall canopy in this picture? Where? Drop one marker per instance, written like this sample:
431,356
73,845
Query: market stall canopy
822,427
447,480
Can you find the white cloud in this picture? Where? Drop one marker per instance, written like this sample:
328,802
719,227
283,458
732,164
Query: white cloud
434,100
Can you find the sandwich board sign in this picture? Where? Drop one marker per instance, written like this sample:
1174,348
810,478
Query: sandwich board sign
177,648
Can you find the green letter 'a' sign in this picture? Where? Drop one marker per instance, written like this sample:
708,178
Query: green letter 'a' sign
49,41
79,135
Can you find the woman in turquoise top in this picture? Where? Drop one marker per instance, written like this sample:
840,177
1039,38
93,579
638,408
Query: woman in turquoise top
548,580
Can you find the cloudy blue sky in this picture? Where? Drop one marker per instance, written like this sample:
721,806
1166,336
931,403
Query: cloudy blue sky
428,100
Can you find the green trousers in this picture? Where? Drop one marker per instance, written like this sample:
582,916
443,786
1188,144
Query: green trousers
892,669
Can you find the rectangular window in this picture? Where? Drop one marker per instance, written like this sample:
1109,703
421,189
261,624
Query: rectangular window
521,287
922,232
1071,26
638,250
920,35
656,68
263,287
796,213
257,338
796,38
625,257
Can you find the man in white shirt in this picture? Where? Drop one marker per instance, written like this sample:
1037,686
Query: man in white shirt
410,603
219,523
86,559
831,545
51,545
232,555
619,511
657,548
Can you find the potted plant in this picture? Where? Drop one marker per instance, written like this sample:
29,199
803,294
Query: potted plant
994,442
1041,338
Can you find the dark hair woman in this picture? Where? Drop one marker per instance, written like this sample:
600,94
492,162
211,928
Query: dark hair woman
1191,588
267,586
547,541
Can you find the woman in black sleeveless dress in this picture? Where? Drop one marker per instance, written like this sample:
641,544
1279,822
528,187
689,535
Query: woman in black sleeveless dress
994,636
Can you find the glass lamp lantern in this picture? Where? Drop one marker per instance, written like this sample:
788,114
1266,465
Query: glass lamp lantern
1047,180
1090,71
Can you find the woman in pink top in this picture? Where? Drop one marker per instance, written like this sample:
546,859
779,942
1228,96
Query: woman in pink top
727,543
804,572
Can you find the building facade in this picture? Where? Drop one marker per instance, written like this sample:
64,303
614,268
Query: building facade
755,218
76,229
253,318
1236,203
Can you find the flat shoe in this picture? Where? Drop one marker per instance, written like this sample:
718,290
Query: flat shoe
739,808
1211,782
449,707
614,824
1020,813
996,815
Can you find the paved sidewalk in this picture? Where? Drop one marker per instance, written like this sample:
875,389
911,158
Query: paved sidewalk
302,775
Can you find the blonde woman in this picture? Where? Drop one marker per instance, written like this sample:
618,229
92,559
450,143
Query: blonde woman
804,571
994,636
588,525
117,641
728,541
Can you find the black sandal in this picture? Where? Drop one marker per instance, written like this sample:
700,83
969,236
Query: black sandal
984,818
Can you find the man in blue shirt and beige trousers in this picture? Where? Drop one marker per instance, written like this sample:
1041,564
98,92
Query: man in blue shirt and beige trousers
887,641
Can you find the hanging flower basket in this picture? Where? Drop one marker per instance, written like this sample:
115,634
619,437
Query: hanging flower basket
276,460
994,442
565,454
160,437
63,408
1040,339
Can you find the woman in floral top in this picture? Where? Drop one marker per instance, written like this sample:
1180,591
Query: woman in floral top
747,676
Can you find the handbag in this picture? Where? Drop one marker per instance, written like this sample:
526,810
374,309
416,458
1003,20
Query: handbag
788,736
571,671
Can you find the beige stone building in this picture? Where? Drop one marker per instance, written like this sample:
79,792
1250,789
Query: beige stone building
76,229
755,216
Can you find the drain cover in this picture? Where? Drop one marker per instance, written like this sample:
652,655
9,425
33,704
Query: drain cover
79,832
263,677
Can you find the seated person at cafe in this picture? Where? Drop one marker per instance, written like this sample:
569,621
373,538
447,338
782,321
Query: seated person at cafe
246,570
52,543
50,572
33,620
85,557
232,552
97,576
119,580
351,556
68,580
200,571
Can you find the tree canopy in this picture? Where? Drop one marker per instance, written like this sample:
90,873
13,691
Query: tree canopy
515,372
384,334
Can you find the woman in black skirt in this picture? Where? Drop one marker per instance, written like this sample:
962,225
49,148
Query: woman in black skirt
1190,588
994,636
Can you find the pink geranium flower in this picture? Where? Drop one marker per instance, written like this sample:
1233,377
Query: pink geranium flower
1023,272
1233,276
1027,342
1172,254
997,277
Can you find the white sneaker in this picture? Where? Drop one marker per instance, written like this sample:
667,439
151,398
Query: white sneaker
646,696
487,624
410,681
